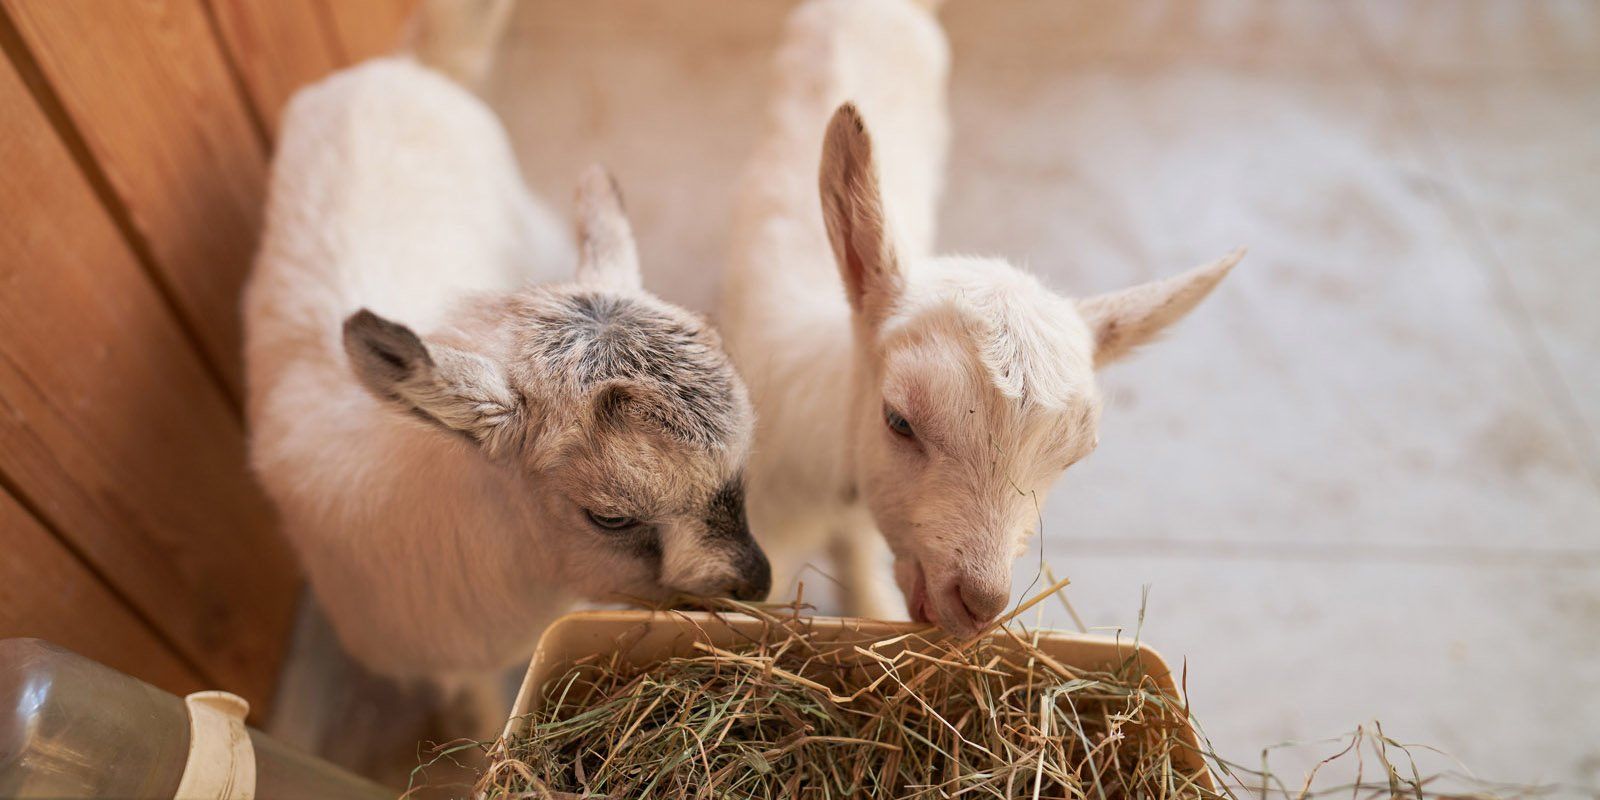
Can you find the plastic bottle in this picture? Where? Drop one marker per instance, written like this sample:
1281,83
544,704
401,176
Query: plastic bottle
70,727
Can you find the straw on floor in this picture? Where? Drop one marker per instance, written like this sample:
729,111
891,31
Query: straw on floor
918,715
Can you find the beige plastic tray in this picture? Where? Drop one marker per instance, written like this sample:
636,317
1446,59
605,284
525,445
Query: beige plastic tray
649,636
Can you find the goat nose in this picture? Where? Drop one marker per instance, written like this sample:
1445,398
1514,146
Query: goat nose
755,581
982,600
752,590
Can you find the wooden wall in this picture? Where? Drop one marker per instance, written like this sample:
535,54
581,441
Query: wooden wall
134,146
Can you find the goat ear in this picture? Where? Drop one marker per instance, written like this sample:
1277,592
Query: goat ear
452,388
607,255
1123,320
852,208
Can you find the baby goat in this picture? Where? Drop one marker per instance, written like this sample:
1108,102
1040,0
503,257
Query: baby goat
934,398
541,442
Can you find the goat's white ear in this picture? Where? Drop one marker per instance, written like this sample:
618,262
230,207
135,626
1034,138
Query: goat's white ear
461,391
458,37
852,208
607,255
1123,320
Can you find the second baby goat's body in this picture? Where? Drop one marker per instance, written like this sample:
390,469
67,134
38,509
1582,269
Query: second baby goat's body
784,311
932,399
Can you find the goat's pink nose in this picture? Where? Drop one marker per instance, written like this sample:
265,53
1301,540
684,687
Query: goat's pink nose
982,600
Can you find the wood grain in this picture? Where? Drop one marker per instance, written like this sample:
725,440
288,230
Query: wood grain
111,429
47,593
278,47
146,86
367,28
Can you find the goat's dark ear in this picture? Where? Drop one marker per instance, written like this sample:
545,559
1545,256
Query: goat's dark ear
384,354
852,208
607,255
1126,319
455,389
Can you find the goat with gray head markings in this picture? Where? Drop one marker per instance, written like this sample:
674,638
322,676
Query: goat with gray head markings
933,398
463,441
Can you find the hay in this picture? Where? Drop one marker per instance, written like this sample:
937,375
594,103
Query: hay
918,715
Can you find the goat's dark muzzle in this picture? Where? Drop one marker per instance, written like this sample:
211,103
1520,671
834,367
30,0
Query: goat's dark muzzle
755,575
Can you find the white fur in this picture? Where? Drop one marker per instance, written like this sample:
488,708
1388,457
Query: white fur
395,190
997,370
438,488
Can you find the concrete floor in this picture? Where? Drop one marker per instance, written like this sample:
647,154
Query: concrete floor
1363,481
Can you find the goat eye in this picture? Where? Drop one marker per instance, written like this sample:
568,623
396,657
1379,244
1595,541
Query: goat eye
610,523
897,423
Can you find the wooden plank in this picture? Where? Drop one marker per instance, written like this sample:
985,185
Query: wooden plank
146,87
367,28
278,47
113,432
47,593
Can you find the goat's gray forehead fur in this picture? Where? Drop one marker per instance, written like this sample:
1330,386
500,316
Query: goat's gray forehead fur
590,338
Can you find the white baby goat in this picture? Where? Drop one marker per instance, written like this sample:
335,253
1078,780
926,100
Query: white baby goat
934,398
543,441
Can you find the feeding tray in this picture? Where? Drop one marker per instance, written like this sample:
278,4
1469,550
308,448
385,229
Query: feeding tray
639,639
